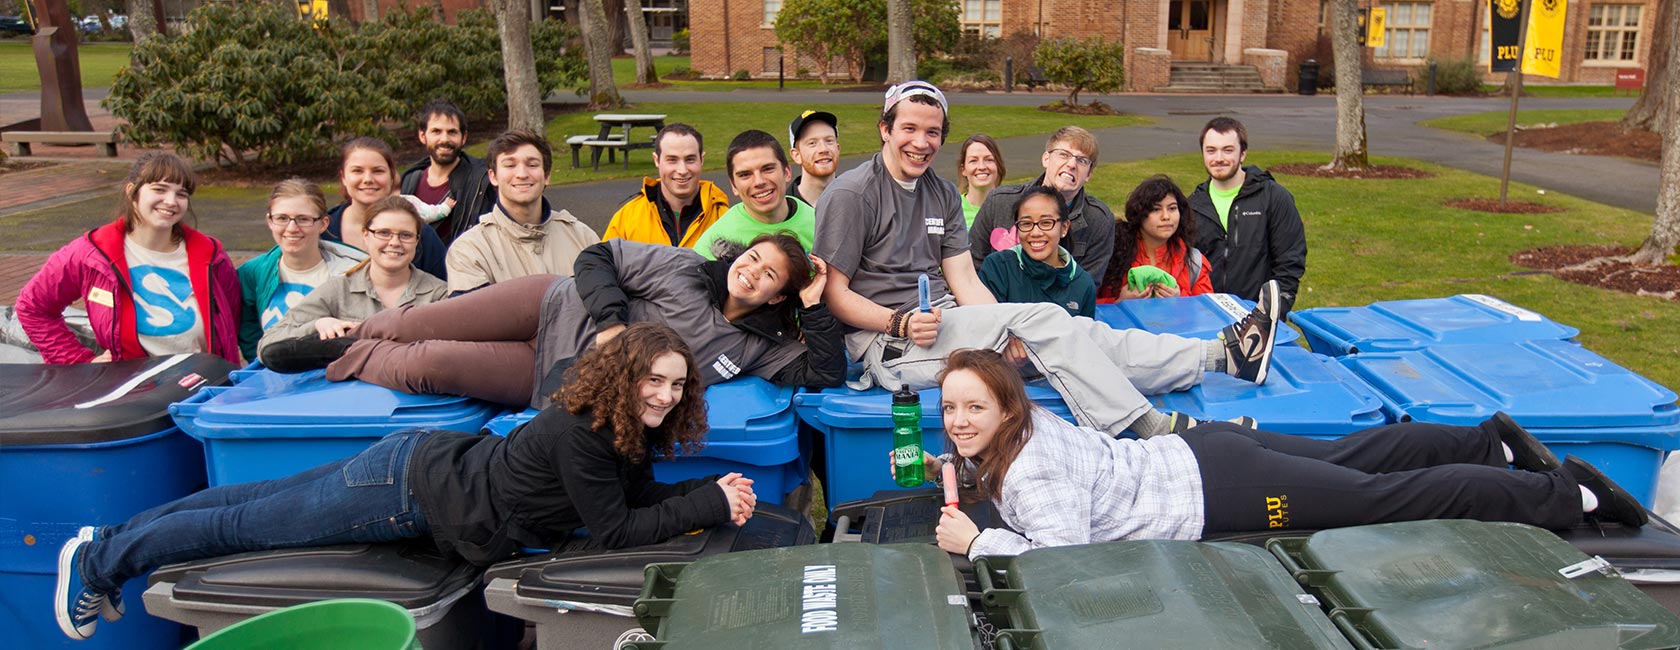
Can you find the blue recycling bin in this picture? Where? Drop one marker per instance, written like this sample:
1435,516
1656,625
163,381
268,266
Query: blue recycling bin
82,445
1197,317
1305,394
269,425
753,430
1571,399
857,433
1395,325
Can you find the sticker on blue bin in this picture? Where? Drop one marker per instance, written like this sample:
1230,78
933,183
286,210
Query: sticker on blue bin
1496,304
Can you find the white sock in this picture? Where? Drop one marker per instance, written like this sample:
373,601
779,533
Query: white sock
1509,457
1213,356
1151,423
1589,501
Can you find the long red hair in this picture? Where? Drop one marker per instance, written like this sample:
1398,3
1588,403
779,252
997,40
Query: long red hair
1010,393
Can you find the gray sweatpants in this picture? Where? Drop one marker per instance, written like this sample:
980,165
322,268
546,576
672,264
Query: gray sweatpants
1102,373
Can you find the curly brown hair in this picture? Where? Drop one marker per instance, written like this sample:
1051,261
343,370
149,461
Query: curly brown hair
607,381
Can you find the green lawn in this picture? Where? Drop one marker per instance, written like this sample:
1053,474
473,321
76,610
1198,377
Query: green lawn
1373,240
1494,121
1537,90
719,122
100,63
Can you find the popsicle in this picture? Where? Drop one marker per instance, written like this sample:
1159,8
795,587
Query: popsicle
948,476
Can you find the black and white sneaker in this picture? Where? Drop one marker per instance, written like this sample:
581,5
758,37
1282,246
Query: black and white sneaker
1248,342
1181,422
304,354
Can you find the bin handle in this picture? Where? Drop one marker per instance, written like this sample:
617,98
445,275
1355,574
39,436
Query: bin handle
1342,620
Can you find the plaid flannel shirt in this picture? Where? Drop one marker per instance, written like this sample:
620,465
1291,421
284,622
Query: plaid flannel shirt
1074,485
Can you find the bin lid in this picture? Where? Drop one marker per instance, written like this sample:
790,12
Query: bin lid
1154,594
820,596
1394,325
413,575
45,404
845,408
1197,317
265,397
1471,584
1304,393
1545,384
582,570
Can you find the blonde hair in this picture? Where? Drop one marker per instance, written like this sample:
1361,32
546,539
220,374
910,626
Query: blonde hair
298,188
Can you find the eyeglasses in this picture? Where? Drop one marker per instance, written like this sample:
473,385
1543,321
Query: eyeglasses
386,235
1042,224
1063,155
284,220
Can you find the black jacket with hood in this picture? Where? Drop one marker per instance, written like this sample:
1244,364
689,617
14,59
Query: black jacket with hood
1266,239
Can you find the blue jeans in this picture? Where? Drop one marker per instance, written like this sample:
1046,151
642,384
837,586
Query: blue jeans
362,499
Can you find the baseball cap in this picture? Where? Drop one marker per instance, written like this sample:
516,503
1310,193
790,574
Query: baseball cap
808,117
908,89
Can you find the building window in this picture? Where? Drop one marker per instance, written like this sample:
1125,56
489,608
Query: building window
772,61
771,8
982,17
1408,31
1613,32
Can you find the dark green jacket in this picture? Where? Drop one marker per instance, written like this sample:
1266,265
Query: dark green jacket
1014,277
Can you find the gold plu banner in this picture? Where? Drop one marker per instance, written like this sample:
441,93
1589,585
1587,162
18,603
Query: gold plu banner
1544,53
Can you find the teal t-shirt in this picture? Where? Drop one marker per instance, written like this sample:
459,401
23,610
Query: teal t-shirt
1222,202
738,228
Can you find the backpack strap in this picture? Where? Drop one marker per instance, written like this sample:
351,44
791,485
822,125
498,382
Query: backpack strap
1194,262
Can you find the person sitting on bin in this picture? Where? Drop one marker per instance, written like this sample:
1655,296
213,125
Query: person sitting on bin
1057,484
585,463
760,313
1037,268
299,263
387,280
1155,253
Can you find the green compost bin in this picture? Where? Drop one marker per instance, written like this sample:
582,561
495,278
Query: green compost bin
1471,584
360,623
839,596
1151,594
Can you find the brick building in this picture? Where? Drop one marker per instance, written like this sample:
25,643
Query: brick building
1271,36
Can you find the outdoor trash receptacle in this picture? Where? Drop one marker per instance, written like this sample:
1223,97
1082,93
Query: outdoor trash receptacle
1397,325
83,445
1151,594
347,623
1574,401
436,590
1305,394
269,425
752,430
581,595
857,433
1196,317
908,517
886,597
1471,584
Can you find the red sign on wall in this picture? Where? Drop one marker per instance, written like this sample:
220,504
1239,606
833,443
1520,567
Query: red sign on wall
1630,79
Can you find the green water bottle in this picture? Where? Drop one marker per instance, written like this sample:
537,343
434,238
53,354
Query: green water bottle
907,437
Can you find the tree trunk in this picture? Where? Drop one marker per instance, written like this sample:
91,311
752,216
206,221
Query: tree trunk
614,10
142,24
645,74
1350,100
1661,82
437,11
370,11
1665,229
603,92
519,65
901,42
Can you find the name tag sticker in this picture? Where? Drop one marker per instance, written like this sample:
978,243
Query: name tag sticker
101,297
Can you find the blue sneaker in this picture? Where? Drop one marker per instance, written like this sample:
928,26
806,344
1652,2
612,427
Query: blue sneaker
74,605
112,610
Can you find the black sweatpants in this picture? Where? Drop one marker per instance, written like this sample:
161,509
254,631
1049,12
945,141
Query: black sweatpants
1258,480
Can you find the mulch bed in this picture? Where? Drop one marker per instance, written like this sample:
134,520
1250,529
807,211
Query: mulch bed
1093,108
1493,205
1316,170
12,165
1595,138
1660,281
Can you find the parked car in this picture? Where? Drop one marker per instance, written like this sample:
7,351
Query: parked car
15,26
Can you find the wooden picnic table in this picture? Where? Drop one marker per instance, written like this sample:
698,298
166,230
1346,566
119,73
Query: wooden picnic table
611,142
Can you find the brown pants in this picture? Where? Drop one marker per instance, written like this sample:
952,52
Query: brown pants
481,344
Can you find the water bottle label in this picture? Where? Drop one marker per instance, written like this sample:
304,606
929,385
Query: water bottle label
907,455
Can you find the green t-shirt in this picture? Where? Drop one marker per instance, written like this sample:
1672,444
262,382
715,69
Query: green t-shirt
969,211
1222,202
740,228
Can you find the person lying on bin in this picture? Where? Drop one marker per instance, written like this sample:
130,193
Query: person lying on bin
1059,484
587,462
760,313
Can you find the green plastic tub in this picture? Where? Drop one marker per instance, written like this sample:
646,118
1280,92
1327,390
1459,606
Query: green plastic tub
360,623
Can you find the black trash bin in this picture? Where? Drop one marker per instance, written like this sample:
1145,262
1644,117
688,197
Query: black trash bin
1308,80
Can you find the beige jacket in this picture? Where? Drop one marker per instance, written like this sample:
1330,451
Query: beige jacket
349,297
500,249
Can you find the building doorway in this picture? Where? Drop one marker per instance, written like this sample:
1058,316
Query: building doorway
1190,30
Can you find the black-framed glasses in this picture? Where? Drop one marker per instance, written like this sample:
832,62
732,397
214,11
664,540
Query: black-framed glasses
284,220
387,235
1042,224
1062,155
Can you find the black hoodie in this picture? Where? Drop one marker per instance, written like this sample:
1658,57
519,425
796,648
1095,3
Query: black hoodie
1266,240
